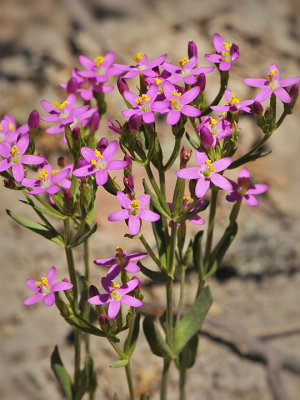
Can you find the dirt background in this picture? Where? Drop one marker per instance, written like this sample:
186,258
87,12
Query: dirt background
258,287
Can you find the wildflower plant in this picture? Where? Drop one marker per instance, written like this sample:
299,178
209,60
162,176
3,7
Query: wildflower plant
67,196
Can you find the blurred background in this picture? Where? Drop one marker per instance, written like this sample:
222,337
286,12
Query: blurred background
257,288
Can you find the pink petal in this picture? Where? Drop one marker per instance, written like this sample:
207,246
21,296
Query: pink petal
99,299
131,301
254,82
53,189
144,199
197,220
32,160
157,61
119,215
51,275
113,308
277,73
222,164
105,261
258,188
225,65
116,165
49,299
123,199
33,299
60,286
283,95
218,42
289,81
221,181
149,215
84,171
264,94
59,176
148,117
244,173
200,157
128,286
134,224
130,97
18,172
188,173
214,58
101,177
86,62
190,95
47,106
202,187
168,89
30,283
110,150
23,143
173,117
132,268
190,111
250,200
152,92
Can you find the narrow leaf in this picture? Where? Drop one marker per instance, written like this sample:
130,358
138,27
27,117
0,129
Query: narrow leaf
156,342
61,374
130,342
119,364
83,237
155,276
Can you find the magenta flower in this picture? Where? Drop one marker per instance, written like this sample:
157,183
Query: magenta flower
121,260
226,53
142,66
187,71
8,131
233,103
116,295
99,163
178,103
14,157
206,172
210,130
273,84
99,68
114,127
244,190
133,210
47,181
45,288
144,105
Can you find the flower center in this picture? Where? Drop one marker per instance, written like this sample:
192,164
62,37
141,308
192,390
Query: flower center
44,177
120,256
99,61
176,105
43,285
243,186
137,58
143,101
10,126
113,293
99,161
273,84
208,169
60,106
183,61
233,99
15,154
134,207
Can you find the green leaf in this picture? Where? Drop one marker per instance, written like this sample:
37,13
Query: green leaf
197,253
250,157
90,218
36,227
159,236
61,374
160,205
83,237
131,340
155,276
178,196
192,141
116,397
48,210
187,357
192,320
119,363
156,342
87,378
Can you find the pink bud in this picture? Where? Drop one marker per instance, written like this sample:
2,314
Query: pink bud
184,157
102,144
75,134
129,161
61,162
34,120
257,108
68,195
201,82
72,85
294,91
122,85
103,320
206,137
134,123
94,121
8,183
93,291
129,185
192,49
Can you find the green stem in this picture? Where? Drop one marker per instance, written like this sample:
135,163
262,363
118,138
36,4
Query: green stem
165,380
174,154
181,295
70,260
129,381
77,348
86,273
150,252
182,381
244,158
211,225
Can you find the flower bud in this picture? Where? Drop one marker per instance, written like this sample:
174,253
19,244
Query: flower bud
184,157
93,291
103,320
129,185
257,108
201,82
206,137
9,183
102,144
134,123
139,282
75,133
192,49
129,161
94,121
81,163
72,85
294,91
122,85
68,195
268,113
34,120
61,162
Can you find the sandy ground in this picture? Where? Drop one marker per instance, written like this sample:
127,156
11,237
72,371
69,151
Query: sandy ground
39,45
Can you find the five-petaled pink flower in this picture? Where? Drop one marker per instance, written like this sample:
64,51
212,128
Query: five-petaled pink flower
244,190
120,261
233,103
210,130
116,295
47,180
99,69
178,102
273,84
226,53
133,210
206,172
45,288
99,163
142,66
14,157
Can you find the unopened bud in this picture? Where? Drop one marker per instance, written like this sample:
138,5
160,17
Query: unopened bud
206,137
93,291
294,91
134,123
129,185
268,113
257,108
8,183
68,195
94,121
192,49
184,157
72,85
139,282
129,161
201,82
61,162
103,320
102,144
34,120
122,85
75,134
82,162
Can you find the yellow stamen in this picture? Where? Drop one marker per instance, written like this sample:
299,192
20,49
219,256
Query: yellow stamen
213,122
233,99
45,281
227,46
99,61
144,99
93,162
135,204
175,93
138,56
98,154
38,284
14,151
183,61
60,106
10,126
43,174
158,81
55,171
186,199
209,167
119,250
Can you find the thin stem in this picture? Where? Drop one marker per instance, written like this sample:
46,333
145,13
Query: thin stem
182,381
70,260
165,380
244,158
77,348
150,251
174,154
211,225
129,381
181,295
86,273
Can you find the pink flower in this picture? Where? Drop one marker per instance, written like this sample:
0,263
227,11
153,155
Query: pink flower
121,260
226,53
187,71
14,157
100,68
142,66
211,130
45,288
178,102
116,295
273,84
99,163
233,103
133,210
47,180
206,172
244,190
144,105
8,131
